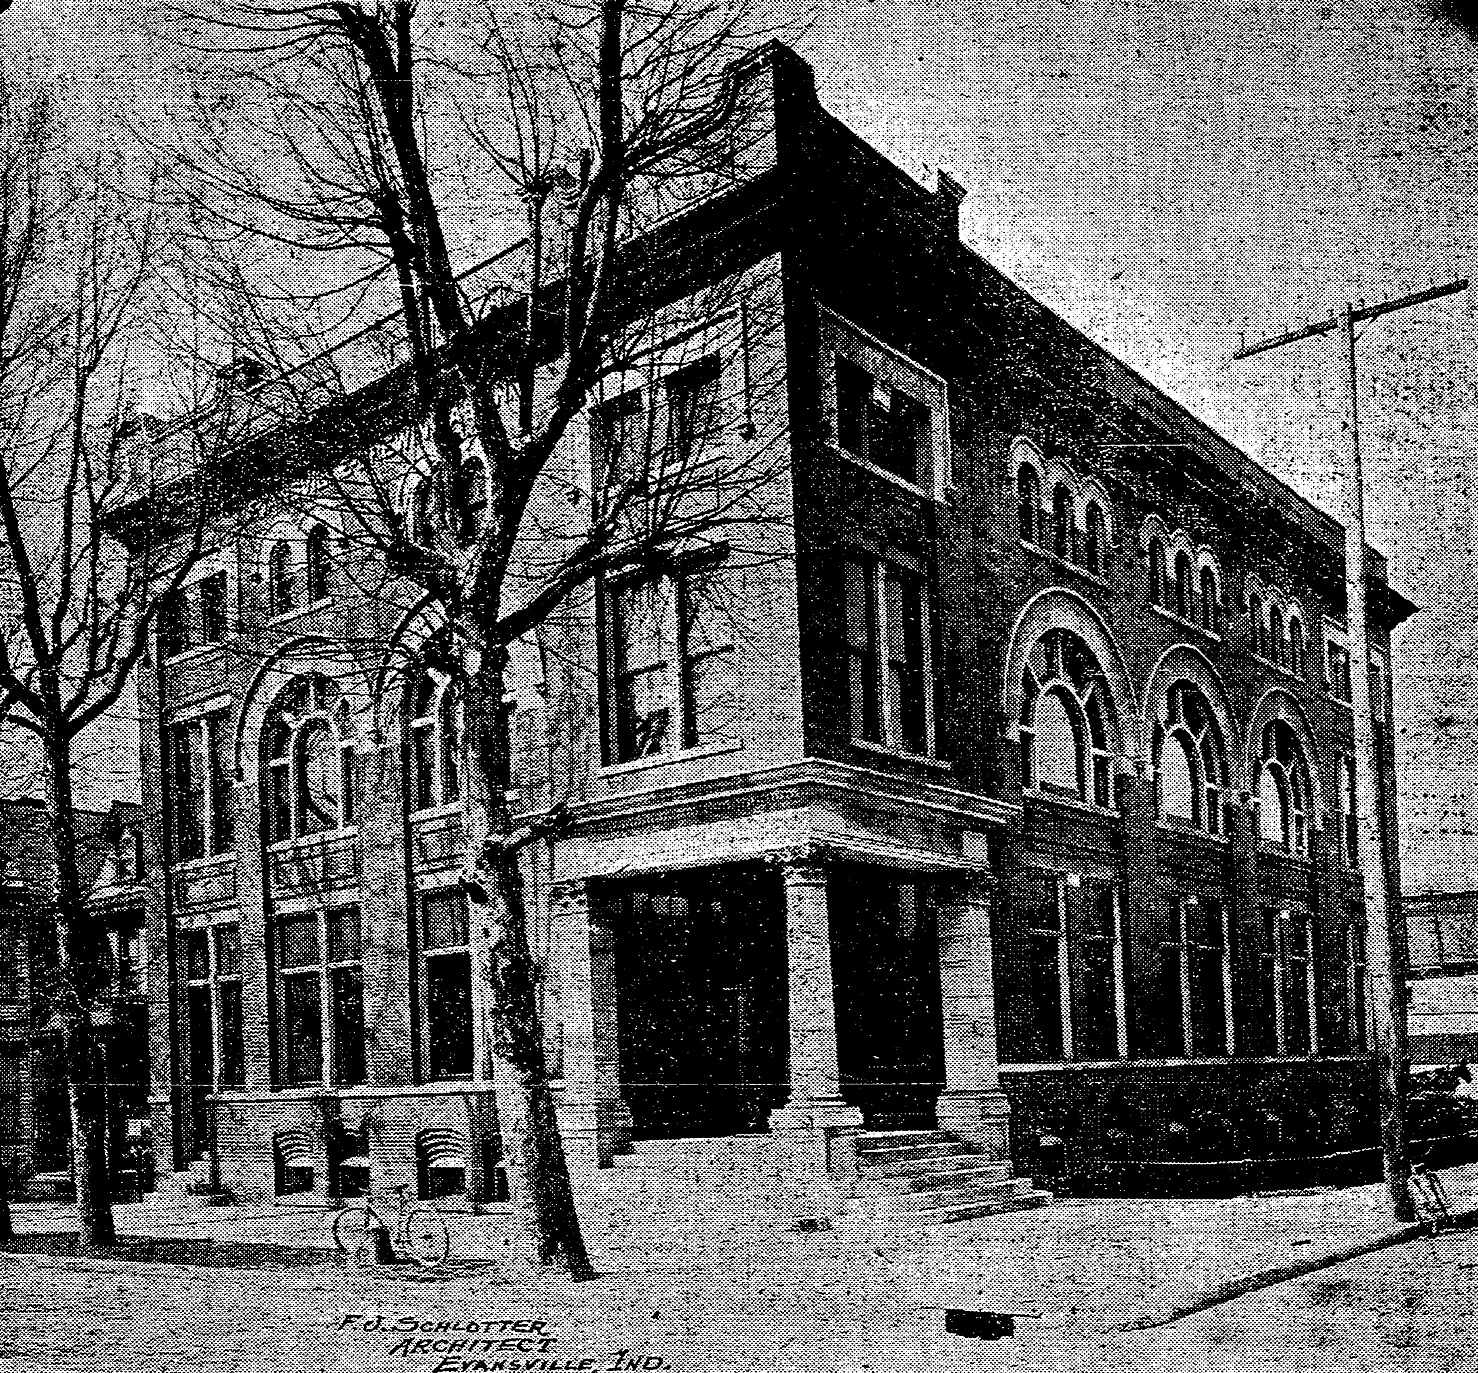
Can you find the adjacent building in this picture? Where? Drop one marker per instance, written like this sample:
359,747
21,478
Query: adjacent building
998,783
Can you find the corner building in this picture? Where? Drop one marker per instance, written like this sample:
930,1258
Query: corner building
1007,796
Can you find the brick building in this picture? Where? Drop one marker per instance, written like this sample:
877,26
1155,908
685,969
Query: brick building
35,1129
1008,795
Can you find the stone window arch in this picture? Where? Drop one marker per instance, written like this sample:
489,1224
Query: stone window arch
315,564
308,783
435,736
1067,720
282,578
1028,502
1190,759
1063,523
1284,793
1095,538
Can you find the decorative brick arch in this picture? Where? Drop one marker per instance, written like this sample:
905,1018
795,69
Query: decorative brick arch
1186,663
1059,608
1278,703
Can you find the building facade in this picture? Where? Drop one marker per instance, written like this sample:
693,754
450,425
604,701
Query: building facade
1004,792
35,1123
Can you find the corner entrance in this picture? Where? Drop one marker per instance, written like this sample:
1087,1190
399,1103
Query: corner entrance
885,961
701,1001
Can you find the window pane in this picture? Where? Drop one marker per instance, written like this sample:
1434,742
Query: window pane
232,1060
279,803
302,1028
347,990
691,396
1095,1023
1057,756
619,431
220,754
197,966
444,921
449,1015
228,950
905,613
423,764
854,386
862,651
646,625
298,941
189,814
1031,991
317,563
343,935
1177,780
213,608
318,778
1272,807
898,432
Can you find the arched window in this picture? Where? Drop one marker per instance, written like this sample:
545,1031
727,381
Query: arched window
1254,617
1155,558
1191,760
1028,502
1062,521
1095,538
308,783
1066,716
1210,601
1295,645
436,742
1185,592
1275,647
1283,791
315,563
282,588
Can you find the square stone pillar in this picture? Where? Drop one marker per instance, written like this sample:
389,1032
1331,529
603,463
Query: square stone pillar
593,1118
816,1129
972,1104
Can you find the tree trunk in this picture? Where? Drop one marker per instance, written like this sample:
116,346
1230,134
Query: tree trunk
532,1147
87,1093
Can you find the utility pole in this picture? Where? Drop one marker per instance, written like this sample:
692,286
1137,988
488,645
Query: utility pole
1385,964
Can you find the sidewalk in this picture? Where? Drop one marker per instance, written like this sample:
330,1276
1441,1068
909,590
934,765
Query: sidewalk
1083,1267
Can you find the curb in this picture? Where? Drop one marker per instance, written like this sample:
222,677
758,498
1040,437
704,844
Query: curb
1271,1277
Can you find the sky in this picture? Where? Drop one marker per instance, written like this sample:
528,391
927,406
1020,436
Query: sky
1175,178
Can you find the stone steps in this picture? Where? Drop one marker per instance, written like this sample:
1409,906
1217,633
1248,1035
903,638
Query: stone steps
928,1177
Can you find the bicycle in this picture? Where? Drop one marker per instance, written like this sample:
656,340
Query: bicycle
418,1231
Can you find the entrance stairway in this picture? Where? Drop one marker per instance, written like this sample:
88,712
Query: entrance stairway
929,1177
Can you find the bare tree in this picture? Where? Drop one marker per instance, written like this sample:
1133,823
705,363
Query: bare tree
75,615
575,128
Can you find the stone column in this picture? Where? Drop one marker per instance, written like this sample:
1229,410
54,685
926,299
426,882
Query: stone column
594,1120
972,1104
817,1129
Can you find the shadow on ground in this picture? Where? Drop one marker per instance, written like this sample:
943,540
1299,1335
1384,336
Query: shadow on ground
196,1253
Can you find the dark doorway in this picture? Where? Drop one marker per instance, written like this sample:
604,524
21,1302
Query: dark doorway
885,962
700,966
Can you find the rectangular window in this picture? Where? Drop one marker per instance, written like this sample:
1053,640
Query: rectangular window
300,975
692,395
1035,991
201,771
230,1056
12,1078
1207,977
1358,1035
447,984
887,654
10,963
1299,1035
213,608
346,985
883,425
174,623
1093,926
672,654
621,440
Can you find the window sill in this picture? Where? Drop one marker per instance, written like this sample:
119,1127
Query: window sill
313,841
1185,830
903,755
1282,671
1176,618
186,655
205,863
1070,802
912,487
297,612
1077,569
441,812
658,760
1278,851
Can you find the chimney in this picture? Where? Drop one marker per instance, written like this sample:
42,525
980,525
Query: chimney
948,193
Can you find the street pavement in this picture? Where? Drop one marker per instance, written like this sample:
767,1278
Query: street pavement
854,1298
